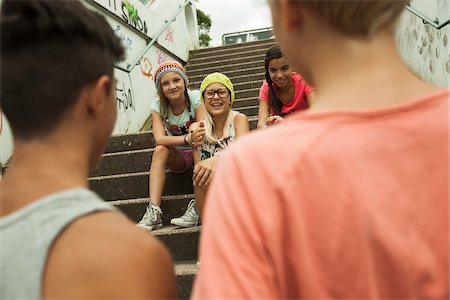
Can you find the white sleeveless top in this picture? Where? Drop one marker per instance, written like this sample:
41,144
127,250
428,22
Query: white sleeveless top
208,149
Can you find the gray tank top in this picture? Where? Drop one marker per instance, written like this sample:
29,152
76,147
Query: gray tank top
27,235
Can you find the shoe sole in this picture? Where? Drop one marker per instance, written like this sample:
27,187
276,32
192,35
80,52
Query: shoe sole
185,225
150,228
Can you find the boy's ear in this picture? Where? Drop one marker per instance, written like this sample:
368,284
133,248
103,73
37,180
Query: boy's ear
290,14
99,95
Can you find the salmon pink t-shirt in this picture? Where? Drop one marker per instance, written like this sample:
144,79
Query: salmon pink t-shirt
333,205
301,90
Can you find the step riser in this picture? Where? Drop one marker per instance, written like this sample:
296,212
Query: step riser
236,80
199,75
232,48
134,162
245,103
254,59
253,93
130,142
182,246
124,163
144,140
227,56
136,186
184,286
222,68
237,86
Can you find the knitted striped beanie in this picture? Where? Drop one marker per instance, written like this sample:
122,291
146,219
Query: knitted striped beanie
170,66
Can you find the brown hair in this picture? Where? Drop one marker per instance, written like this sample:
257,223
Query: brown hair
361,18
164,103
275,104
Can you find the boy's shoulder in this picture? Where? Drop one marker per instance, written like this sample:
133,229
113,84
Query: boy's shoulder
105,254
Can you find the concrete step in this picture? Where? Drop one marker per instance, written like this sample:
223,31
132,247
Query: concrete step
250,93
136,161
232,48
226,56
136,185
257,66
199,75
246,102
128,142
259,59
124,162
236,77
171,206
182,242
144,140
239,86
185,272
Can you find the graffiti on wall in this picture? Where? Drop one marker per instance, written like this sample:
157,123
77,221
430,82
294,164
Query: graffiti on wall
127,42
131,15
169,35
146,67
112,4
162,57
124,97
424,49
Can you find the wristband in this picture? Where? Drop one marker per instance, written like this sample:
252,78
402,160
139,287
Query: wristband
185,136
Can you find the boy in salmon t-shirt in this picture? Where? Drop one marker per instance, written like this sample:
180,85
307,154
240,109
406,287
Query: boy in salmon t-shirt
348,200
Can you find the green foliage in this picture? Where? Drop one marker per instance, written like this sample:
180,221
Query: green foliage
204,39
204,24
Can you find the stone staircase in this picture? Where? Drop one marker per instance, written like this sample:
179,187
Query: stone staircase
122,177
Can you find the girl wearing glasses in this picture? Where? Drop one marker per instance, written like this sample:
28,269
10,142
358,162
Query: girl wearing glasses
176,109
283,91
221,126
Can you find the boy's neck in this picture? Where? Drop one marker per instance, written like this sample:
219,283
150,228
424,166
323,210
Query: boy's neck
358,75
38,169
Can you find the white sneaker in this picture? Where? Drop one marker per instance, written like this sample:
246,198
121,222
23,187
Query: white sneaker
152,218
190,217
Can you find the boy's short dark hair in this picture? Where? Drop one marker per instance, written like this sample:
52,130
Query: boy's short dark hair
50,50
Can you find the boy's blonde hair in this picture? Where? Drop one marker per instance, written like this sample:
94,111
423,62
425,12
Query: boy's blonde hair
361,18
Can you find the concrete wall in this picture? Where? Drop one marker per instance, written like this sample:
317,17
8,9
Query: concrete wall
136,25
424,48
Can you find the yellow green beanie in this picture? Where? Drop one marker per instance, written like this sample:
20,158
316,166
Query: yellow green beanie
217,78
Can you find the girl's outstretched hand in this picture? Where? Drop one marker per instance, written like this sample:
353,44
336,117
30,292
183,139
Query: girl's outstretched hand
198,134
203,171
273,120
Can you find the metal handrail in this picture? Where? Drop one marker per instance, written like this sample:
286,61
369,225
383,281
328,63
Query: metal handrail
130,67
245,31
426,20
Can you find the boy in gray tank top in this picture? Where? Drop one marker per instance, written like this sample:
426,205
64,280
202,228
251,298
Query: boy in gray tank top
58,239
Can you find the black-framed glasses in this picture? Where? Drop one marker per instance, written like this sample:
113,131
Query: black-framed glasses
209,94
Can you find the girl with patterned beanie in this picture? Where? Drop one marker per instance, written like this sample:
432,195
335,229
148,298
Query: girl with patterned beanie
176,109
221,126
